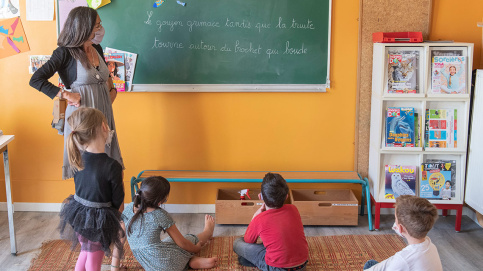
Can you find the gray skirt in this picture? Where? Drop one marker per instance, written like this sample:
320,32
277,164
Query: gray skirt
95,96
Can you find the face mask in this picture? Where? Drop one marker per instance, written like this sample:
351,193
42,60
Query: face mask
109,138
394,227
99,36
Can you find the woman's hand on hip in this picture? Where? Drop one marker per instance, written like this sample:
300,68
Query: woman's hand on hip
72,98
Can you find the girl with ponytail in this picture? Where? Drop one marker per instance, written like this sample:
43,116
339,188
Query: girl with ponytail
91,217
145,220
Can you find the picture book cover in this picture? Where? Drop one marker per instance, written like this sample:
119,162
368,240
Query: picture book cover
441,128
115,65
130,65
435,180
452,184
448,75
400,127
402,71
400,180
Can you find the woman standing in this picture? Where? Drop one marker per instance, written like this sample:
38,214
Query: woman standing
82,68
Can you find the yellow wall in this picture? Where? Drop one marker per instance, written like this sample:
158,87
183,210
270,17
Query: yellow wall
456,20
196,131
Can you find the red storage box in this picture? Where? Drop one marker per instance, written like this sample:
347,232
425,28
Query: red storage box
397,37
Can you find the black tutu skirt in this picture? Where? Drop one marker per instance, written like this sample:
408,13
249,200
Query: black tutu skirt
95,228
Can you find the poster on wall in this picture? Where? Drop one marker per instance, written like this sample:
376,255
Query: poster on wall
9,9
12,37
64,7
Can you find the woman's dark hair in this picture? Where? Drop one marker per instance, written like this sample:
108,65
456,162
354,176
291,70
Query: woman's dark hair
77,29
274,190
154,191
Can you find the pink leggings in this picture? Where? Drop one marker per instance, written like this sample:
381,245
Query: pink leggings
89,261
91,255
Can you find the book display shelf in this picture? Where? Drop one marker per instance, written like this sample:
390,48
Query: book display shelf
419,123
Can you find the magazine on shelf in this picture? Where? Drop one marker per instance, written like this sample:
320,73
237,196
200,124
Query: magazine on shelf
130,65
115,65
400,127
448,72
436,180
441,128
400,180
417,130
402,71
452,184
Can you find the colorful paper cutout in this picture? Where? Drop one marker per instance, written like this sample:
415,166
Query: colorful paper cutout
15,41
181,3
158,3
3,30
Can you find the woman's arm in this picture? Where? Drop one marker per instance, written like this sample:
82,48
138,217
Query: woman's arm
112,89
40,79
182,242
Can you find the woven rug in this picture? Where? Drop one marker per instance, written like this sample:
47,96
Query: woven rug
343,252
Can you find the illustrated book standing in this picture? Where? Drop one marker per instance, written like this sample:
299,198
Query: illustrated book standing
400,127
402,71
400,180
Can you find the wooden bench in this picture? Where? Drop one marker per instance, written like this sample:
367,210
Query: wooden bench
256,177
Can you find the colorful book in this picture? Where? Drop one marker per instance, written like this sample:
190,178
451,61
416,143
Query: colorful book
130,65
115,65
400,180
435,178
402,71
417,129
400,127
449,189
441,128
448,75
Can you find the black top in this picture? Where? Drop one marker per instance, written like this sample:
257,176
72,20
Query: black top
62,62
100,180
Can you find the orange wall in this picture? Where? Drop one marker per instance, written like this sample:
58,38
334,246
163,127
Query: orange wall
456,20
196,131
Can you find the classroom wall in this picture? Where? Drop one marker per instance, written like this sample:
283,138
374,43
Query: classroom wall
456,20
192,131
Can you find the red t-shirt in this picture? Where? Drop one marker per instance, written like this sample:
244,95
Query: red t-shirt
282,233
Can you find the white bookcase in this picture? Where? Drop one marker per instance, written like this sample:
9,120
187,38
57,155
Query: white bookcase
380,155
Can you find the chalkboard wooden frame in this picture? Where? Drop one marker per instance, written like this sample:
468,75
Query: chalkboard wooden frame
236,87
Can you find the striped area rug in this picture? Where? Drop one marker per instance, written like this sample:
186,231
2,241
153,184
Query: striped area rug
342,252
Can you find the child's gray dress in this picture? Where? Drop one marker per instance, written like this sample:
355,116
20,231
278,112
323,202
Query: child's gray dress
146,245
92,86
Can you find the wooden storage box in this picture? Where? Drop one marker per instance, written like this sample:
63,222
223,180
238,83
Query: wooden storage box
229,209
326,206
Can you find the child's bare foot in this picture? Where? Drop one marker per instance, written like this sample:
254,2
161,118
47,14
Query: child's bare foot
202,263
209,225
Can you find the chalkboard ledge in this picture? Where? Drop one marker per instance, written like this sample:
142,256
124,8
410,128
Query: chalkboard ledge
229,88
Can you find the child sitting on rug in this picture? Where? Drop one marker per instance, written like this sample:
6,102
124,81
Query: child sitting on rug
280,228
91,217
145,220
414,219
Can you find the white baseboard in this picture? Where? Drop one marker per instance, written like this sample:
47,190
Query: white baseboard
55,207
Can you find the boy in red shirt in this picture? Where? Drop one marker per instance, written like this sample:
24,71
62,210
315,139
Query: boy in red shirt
280,228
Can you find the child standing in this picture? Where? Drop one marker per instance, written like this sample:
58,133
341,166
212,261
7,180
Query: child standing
91,217
145,220
280,228
414,219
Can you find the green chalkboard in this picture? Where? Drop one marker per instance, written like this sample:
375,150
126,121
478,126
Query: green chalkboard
246,42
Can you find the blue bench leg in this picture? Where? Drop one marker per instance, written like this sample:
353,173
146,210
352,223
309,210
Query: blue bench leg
369,208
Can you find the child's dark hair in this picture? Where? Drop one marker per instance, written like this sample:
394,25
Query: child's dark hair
154,191
274,190
416,214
